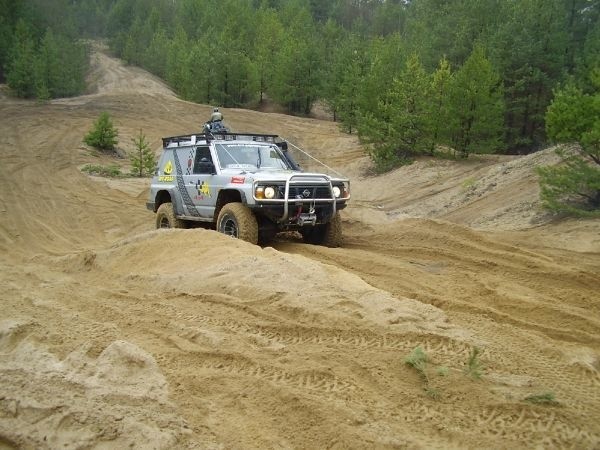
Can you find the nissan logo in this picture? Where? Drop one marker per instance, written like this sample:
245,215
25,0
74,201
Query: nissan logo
306,193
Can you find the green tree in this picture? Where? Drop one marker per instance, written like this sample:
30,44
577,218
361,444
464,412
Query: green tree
103,135
296,82
449,28
268,38
389,17
177,56
297,68
347,68
476,106
387,59
574,186
400,130
60,66
156,54
10,12
143,160
348,97
20,74
529,50
439,114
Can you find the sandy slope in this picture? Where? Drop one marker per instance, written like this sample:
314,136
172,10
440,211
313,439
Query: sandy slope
113,334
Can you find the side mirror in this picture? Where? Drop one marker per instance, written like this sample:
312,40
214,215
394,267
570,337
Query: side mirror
206,166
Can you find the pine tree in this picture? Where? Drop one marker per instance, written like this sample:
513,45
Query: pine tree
297,67
529,50
347,68
400,129
439,120
155,55
20,75
143,160
476,106
177,70
574,186
268,38
103,135
347,102
387,61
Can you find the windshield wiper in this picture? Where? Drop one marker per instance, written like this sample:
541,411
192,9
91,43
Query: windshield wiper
259,159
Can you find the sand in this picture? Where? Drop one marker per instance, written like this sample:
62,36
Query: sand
116,335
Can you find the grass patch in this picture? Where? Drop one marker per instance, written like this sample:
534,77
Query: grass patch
112,171
469,183
546,398
417,359
433,393
442,371
473,367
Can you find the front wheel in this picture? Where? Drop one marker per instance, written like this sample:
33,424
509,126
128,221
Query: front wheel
329,234
236,220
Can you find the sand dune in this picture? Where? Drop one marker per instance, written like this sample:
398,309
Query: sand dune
113,334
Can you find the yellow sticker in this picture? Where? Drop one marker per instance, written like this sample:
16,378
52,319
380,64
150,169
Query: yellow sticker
166,178
203,189
168,168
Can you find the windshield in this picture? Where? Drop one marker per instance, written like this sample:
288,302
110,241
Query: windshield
250,156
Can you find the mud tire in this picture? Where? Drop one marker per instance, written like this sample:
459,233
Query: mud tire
329,234
165,217
236,220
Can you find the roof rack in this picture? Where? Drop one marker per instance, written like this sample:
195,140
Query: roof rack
191,139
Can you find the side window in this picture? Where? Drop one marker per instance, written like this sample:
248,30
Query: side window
201,152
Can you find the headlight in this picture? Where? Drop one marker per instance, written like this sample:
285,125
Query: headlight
269,192
260,192
337,192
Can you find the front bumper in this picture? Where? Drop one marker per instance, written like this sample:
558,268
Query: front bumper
300,197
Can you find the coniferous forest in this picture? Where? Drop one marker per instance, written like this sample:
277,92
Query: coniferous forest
409,76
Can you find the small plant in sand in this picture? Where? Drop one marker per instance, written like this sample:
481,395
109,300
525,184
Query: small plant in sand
433,393
442,371
546,398
473,367
112,171
468,184
417,359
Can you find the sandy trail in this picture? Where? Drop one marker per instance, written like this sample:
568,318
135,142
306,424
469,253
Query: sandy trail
113,334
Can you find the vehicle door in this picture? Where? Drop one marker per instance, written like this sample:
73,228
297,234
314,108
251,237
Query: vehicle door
199,180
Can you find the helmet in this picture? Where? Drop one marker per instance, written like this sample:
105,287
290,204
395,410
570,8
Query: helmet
216,110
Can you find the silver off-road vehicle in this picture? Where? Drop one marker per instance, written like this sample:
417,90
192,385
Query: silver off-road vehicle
248,186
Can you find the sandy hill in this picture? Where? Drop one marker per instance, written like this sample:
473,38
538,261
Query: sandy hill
113,334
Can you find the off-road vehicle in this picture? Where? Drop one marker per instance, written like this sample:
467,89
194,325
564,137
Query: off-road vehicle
248,186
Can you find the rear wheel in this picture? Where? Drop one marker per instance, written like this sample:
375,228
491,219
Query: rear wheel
236,220
165,217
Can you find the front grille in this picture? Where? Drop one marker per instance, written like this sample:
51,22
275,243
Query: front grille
314,192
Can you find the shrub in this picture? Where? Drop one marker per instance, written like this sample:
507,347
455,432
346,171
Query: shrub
103,135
